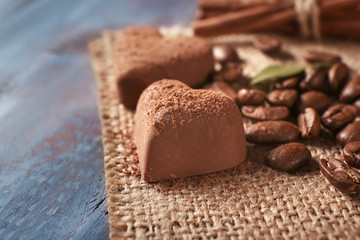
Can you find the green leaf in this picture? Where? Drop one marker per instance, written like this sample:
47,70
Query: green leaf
277,71
322,64
266,86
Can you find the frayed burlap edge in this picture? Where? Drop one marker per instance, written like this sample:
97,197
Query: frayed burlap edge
251,201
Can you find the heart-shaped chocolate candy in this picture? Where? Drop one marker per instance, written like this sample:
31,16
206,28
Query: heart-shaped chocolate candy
181,131
142,56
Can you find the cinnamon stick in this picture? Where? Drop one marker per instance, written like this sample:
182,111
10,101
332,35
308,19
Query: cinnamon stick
235,21
227,5
287,28
342,14
278,17
271,21
341,28
326,5
339,16
205,13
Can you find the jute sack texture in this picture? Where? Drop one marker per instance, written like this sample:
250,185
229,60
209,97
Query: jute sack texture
251,201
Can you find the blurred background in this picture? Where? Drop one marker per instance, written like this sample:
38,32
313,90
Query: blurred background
52,183
51,161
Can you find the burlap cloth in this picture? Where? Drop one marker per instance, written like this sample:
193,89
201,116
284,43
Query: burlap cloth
251,201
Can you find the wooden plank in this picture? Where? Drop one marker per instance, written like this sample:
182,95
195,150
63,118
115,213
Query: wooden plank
54,167
51,164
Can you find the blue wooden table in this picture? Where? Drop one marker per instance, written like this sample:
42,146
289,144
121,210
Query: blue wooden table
51,162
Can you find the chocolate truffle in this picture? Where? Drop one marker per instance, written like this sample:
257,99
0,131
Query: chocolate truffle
141,56
181,131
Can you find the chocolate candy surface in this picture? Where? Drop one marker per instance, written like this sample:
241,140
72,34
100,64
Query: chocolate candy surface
142,56
181,132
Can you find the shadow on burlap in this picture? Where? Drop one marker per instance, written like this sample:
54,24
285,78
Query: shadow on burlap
251,201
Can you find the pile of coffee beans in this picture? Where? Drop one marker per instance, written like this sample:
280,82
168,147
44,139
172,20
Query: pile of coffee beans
300,107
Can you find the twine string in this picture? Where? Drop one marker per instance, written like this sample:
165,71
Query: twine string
308,15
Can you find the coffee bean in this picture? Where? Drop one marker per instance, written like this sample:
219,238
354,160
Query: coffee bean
230,72
289,83
267,44
315,56
354,137
265,113
315,79
340,175
271,132
314,99
251,96
224,53
351,90
352,154
288,157
223,88
357,105
337,76
309,123
350,133
338,115
286,97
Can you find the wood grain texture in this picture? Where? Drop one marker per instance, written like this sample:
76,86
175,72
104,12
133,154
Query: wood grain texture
51,161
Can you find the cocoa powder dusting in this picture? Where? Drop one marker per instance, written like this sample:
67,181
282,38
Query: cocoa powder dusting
171,102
